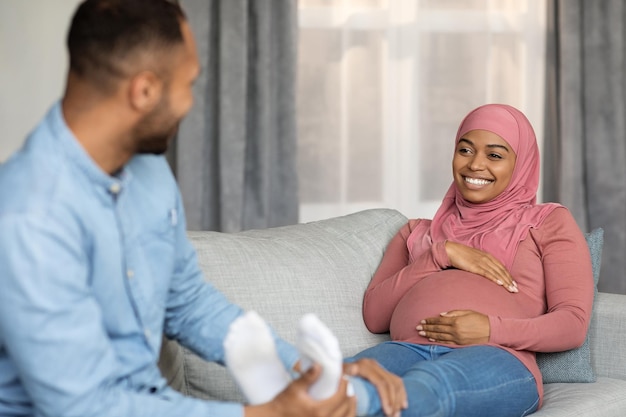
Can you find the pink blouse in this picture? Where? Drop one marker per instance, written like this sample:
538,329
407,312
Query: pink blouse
550,313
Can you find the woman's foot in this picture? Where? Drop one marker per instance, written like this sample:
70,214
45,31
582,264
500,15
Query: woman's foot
317,344
252,359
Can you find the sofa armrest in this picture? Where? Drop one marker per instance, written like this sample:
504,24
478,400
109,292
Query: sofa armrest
608,336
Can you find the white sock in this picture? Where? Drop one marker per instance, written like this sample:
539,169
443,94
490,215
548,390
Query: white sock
252,359
317,344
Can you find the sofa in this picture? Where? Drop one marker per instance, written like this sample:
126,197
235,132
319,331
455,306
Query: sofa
324,267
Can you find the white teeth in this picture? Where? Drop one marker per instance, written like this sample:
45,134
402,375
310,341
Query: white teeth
477,181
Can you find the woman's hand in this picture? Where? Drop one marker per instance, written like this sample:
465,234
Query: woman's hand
482,263
459,327
389,386
296,401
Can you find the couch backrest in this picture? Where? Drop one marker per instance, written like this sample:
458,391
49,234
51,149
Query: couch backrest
321,267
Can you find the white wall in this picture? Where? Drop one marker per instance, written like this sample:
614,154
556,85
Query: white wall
33,62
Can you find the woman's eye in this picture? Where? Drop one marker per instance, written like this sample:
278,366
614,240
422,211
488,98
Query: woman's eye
495,156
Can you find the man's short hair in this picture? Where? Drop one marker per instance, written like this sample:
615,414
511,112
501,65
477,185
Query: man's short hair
107,38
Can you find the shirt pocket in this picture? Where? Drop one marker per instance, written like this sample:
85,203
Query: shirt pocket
161,226
158,246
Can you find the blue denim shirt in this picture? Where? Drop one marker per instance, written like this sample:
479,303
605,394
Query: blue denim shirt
93,270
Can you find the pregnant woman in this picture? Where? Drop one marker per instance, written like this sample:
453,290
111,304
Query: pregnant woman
470,296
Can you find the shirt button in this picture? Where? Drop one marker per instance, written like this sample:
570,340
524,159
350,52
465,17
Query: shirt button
130,274
146,332
115,188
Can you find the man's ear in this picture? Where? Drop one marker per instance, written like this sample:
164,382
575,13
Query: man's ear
146,89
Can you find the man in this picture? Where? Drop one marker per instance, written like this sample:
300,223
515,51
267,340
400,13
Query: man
94,261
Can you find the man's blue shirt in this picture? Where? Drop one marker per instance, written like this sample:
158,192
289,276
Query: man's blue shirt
93,270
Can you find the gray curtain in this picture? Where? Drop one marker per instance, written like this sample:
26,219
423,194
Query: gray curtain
585,141
235,154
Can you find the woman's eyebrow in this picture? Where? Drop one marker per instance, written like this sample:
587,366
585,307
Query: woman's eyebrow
493,145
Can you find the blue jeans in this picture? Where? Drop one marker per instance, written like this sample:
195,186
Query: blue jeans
474,381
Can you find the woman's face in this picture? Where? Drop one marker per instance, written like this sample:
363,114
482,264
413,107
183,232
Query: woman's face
482,166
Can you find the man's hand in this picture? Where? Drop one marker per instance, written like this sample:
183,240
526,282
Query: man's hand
295,401
459,327
481,263
390,387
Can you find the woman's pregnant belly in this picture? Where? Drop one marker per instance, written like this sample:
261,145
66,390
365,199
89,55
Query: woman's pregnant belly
448,290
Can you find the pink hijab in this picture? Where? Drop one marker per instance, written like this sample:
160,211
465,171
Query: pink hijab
496,226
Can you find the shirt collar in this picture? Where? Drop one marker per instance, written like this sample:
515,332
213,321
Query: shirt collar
112,184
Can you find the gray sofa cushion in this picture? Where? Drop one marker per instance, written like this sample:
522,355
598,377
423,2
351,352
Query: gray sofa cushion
603,398
322,267
575,365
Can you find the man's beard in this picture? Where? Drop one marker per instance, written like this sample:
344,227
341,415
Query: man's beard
154,133
156,143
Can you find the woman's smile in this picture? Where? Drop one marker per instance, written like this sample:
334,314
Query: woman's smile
476,183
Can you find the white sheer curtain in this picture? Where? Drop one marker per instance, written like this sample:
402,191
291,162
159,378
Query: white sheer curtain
383,85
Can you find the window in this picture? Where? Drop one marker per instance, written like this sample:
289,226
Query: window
383,85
